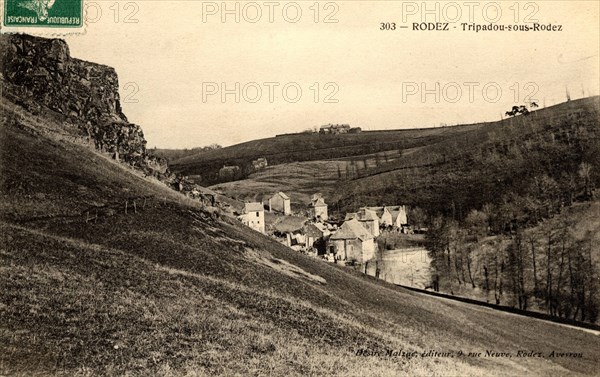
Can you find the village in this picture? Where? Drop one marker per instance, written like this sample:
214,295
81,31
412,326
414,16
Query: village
349,241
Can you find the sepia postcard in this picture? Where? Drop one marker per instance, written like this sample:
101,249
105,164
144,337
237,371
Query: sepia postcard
299,188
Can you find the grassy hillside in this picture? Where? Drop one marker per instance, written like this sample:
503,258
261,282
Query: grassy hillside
466,171
308,147
168,289
450,174
300,180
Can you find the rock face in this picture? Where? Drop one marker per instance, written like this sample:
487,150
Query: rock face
40,72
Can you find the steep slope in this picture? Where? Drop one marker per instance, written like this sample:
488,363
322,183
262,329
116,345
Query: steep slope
167,287
467,171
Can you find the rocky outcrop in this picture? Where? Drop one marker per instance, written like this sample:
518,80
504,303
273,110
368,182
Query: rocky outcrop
40,73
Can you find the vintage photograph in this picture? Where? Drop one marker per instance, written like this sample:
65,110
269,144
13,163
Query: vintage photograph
299,188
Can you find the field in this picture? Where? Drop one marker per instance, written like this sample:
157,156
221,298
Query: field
169,289
310,147
466,171
448,170
300,180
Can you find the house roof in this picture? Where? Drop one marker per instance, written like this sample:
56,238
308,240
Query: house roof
350,216
253,207
379,211
320,202
284,196
352,229
396,210
313,230
289,224
367,215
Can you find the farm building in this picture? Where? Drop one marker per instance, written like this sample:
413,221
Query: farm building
390,215
254,216
399,217
280,202
367,218
315,233
335,129
352,242
318,208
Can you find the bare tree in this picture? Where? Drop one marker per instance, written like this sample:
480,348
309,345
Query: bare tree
584,172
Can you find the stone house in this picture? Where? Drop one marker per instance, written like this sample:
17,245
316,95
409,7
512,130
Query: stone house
367,218
399,215
254,216
352,242
316,235
280,202
390,215
318,208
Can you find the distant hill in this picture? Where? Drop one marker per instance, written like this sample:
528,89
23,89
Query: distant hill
308,147
452,171
106,271
466,171
175,154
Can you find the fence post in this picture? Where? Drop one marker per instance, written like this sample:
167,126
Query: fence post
134,207
87,216
96,218
144,205
126,207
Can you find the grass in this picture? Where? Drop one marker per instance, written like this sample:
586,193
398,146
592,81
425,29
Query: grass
172,291
469,165
466,171
311,147
299,180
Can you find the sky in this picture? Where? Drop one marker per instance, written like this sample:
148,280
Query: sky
191,74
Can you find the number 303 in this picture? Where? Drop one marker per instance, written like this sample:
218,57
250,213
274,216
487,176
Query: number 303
388,26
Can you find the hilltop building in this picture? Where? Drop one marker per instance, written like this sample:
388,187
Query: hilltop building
352,242
335,129
254,216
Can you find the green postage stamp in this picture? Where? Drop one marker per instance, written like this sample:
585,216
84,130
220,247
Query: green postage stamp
52,14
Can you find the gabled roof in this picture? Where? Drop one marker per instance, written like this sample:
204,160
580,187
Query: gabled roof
351,230
320,202
284,196
367,215
289,224
313,230
253,207
396,210
378,210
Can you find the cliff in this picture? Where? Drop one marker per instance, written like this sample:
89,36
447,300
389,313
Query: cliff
39,74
